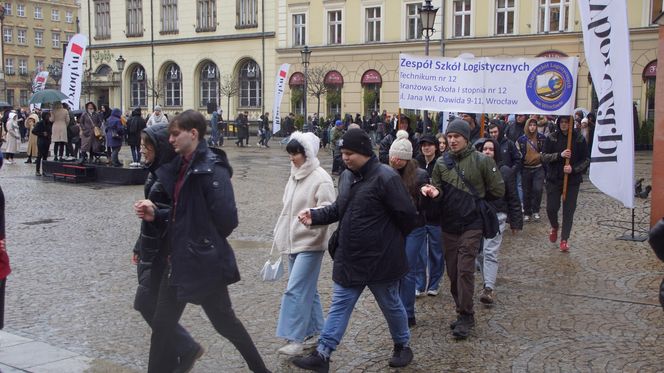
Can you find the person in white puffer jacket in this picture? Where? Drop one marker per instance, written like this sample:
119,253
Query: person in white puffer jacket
301,313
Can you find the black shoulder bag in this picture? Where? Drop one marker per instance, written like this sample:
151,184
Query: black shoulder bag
487,212
333,242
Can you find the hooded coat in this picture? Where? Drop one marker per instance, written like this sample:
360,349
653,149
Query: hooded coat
114,125
201,258
151,246
308,186
89,143
372,228
135,126
555,144
13,136
30,123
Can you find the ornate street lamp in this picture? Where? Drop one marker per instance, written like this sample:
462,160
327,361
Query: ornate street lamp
306,55
427,19
121,65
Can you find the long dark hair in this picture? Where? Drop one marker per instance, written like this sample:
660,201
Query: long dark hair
409,178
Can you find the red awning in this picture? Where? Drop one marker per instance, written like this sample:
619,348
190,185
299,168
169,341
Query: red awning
552,54
296,79
372,77
334,78
650,71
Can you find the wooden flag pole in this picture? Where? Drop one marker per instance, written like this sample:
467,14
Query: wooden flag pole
481,125
570,132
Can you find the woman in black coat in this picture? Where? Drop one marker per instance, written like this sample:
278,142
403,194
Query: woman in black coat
43,130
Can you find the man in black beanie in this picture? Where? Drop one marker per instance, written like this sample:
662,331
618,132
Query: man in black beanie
471,119
460,177
375,214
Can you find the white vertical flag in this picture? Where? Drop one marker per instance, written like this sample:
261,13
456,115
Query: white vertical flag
606,44
72,70
278,95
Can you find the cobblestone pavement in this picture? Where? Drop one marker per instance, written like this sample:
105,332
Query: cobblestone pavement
594,309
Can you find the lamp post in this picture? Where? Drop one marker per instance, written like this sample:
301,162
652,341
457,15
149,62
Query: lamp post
2,53
121,64
55,72
306,55
427,19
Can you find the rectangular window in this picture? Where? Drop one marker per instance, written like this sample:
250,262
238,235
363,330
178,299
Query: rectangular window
553,15
39,38
22,66
38,12
55,39
55,15
9,66
10,97
206,15
20,10
69,16
8,9
25,94
413,25
299,29
134,17
504,17
102,19
39,64
246,13
461,18
373,24
68,36
169,16
7,34
21,36
334,27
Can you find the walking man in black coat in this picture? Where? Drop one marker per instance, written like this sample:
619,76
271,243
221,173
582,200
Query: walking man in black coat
375,214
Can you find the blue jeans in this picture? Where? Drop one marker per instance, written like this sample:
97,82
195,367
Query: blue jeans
343,302
115,151
415,242
135,153
301,313
433,255
214,134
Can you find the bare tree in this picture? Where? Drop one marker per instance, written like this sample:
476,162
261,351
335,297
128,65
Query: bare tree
155,89
316,86
229,86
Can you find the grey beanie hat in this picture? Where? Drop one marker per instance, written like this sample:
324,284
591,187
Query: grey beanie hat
459,126
402,147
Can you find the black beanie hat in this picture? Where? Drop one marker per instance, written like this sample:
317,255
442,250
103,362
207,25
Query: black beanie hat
357,140
459,126
429,139
472,115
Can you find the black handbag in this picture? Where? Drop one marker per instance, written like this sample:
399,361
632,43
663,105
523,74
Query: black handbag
490,225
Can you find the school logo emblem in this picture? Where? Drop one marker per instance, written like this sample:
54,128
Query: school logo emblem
549,86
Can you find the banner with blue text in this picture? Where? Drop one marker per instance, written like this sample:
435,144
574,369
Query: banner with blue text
488,85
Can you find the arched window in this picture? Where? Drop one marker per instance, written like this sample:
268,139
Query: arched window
209,82
650,78
296,84
103,70
251,92
173,86
334,81
371,83
138,88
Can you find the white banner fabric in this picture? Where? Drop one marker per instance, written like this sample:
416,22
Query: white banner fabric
72,70
488,85
38,84
606,45
278,95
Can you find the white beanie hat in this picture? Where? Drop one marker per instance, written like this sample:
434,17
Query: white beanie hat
402,147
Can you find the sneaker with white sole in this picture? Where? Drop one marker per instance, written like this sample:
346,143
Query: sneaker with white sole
536,216
526,218
292,349
419,293
432,292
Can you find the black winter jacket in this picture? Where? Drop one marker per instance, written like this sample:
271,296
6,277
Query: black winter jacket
135,125
373,226
202,260
510,204
555,144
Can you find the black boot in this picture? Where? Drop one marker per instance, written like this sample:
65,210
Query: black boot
315,361
463,326
401,356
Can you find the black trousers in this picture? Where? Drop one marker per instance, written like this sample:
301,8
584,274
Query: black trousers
554,192
217,307
532,180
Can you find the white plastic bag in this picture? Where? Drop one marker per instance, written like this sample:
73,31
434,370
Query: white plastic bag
272,271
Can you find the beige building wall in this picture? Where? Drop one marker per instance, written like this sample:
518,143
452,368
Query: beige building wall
353,57
19,82
228,47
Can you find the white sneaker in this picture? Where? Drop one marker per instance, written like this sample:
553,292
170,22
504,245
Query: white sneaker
9,161
432,292
419,293
526,218
536,216
310,342
292,349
